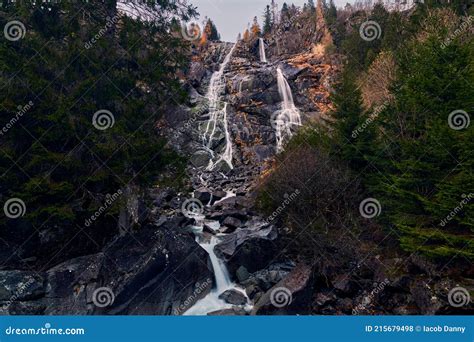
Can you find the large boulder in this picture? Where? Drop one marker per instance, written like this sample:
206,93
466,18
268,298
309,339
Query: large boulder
21,285
169,260
71,284
251,248
234,297
290,296
152,271
21,293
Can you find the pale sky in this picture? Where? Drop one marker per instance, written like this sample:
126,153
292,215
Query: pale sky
232,16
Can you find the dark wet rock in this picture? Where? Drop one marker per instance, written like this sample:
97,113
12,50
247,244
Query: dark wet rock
268,277
289,71
203,194
196,73
69,278
419,264
70,285
342,283
169,259
263,152
230,243
345,305
208,229
222,215
242,274
127,267
22,308
249,248
232,222
325,298
252,291
233,297
218,195
21,285
176,115
227,230
161,197
200,159
424,297
292,295
236,202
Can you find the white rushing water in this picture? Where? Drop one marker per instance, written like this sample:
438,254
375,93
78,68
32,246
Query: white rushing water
288,115
218,115
211,302
229,194
263,57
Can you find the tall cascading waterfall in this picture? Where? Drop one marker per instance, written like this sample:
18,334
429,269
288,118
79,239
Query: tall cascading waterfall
218,116
263,57
288,115
217,123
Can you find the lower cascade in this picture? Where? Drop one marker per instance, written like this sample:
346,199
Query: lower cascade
212,302
288,115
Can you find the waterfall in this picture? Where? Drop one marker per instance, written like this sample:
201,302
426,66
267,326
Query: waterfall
288,115
218,115
263,58
220,270
212,302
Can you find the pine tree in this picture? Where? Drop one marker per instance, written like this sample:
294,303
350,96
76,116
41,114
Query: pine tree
246,35
353,129
210,31
267,21
332,11
285,12
255,29
430,164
